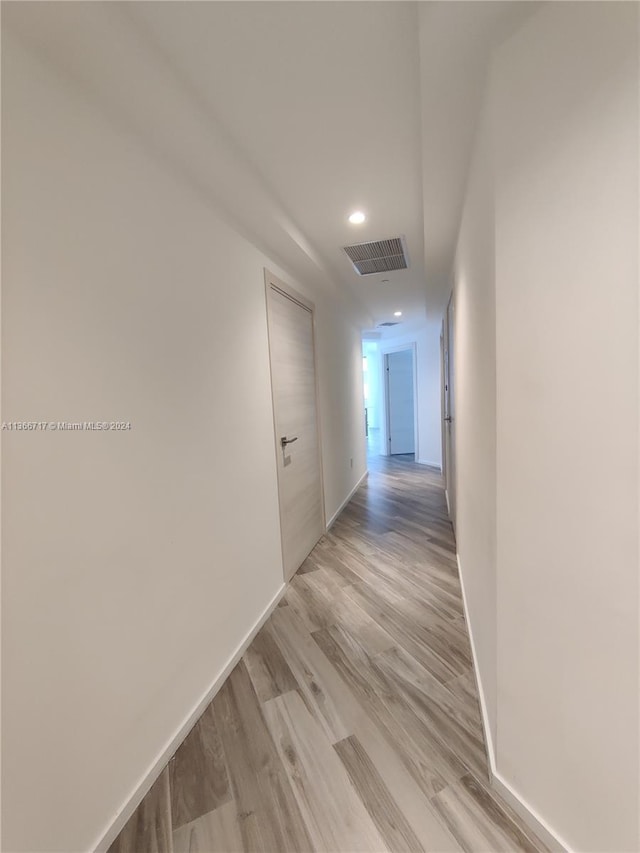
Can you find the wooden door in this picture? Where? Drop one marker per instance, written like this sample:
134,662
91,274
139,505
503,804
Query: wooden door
293,381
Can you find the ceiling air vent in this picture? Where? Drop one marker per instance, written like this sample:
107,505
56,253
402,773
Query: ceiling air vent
387,324
379,256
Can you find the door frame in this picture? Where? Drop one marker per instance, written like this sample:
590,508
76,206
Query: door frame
448,408
271,281
384,352
443,404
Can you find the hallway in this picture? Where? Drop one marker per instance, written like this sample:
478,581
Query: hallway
352,722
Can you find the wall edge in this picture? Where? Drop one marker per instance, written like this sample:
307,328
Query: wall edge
335,515
516,801
111,832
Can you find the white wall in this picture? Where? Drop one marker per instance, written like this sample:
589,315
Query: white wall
475,424
129,577
427,341
344,451
567,422
561,130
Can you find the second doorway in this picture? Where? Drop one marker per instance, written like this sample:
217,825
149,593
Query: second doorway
400,401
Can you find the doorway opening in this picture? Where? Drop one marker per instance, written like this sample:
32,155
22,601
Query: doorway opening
400,401
373,397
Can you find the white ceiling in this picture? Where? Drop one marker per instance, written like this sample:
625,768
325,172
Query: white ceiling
324,99
289,115
456,39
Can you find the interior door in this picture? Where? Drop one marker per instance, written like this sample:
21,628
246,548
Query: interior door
449,409
293,382
400,402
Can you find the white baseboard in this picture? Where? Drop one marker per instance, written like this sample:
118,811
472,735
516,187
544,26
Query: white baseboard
528,814
430,463
519,805
446,494
488,737
346,500
142,788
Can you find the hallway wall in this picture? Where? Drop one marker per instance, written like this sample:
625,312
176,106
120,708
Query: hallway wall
555,565
134,563
475,389
344,448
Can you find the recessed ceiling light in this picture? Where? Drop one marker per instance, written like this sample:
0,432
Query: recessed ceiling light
397,313
357,217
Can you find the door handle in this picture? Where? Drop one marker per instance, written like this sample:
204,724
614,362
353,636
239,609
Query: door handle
284,440
448,420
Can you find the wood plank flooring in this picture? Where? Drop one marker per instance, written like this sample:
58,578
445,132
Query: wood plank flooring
352,723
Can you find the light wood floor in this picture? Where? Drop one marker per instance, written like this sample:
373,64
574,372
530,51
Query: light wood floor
352,722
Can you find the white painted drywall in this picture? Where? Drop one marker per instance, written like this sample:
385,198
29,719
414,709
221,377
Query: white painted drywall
560,136
475,423
427,340
134,562
339,366
566,132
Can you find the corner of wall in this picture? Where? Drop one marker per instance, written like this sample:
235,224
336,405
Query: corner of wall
508,793
132,802
486,724
336,514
